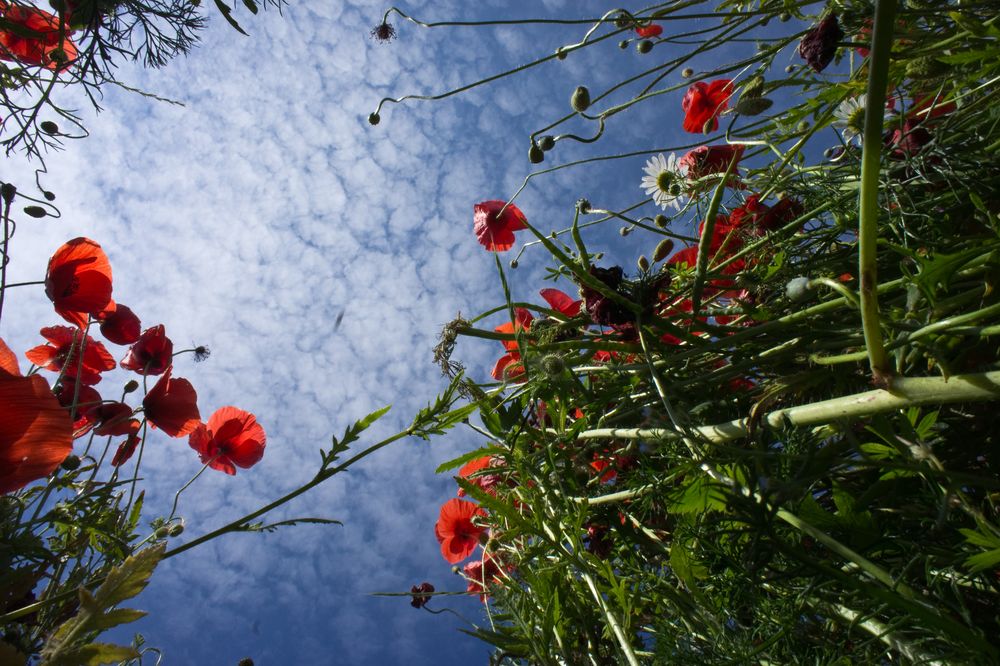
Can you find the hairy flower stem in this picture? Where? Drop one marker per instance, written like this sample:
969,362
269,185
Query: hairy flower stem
868,206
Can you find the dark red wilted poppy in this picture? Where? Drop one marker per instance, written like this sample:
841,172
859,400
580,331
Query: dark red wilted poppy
151,354
78,281
705,160
119,324
819,45
455,530
172,406
231,438
62,354
702,104
43,46
495,230
421,594
649,31
35,431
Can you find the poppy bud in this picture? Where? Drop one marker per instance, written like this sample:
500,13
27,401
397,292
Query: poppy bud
665,247
49,127
925,68
131,386
162,532
560,54
553,365
661,221
643,263
752,106
535,154
803,126
547,142
789,69
784,17
49,196
644,46
374,118
71,462
7,191
624,231
513,263
580,100
623,44
623,21
797,289
687,72
245,661
35,211
176,529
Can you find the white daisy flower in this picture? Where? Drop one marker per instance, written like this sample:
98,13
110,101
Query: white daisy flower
850,117
664,181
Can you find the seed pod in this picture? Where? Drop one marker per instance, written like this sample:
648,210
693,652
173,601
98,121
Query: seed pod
374,118
535,154
665,247
580,101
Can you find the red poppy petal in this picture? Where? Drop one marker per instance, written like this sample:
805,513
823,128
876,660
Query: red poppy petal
8,360
561,302
35,431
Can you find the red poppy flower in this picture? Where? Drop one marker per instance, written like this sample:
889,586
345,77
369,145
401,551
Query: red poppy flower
35,431
702,104
509,366
119,324
172,406
705,160
561,302
43,47
78,281
649,31
62,354
472,472
113,418
480,574
495,230
819,45
151,354
455,531
86,398
125,450
8,360
231,438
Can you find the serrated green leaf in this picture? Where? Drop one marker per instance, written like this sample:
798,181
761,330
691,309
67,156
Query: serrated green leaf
130,577
136,512
94,654
115,617
982,561
467,457
980,539
700,495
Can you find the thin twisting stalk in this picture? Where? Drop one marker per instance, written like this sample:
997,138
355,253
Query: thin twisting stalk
878,78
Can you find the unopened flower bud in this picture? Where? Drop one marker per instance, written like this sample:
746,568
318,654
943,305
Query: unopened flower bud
623,44
925,68
49,127
547,142
665,247
513,263
131,385
643,263
644,46
49,196
687,72
35,211
789,69
661,221
177,529
374,118
553,365
162,532
7,191
71,462
784,17
560,54
624,231
580,101
797,289
535,154
803,126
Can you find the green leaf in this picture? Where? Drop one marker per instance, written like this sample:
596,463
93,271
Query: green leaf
94,654
353,432
135,513
700,495
468,457
982,561
115,617
130,578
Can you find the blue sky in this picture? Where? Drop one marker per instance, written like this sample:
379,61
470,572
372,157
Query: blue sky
249,218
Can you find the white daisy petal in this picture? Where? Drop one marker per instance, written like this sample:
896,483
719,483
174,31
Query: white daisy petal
663,181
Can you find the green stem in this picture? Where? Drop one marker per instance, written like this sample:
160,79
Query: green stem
868,205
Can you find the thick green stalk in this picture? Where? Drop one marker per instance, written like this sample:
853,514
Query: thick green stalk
868,206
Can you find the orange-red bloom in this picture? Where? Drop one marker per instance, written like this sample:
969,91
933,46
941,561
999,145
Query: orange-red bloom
702,104
455,530
151,354
78,281
649,31
62,353
472,472
172,406
114,418
125,450
561,302
480,574
36,38
705,160
495,230
119,324
35,431
509,365
232,438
